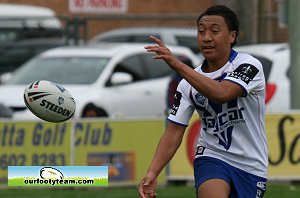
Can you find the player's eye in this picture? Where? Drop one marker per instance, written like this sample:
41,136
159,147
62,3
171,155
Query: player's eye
201,31
215,31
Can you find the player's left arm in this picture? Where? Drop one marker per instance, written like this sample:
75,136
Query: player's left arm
218,92
166,148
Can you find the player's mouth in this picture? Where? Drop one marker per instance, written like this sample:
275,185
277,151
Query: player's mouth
206,49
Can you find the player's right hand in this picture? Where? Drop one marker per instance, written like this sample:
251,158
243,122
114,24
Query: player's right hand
147,186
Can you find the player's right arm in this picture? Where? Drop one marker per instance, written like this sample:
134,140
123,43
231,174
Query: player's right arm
166,148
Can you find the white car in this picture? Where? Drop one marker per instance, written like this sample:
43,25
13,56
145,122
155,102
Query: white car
275,59
182,36
107,80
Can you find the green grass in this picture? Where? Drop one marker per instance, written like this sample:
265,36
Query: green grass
273,191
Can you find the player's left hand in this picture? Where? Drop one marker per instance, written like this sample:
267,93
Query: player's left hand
163,53
147,186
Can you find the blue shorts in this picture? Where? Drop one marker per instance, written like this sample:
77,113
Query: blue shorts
242,184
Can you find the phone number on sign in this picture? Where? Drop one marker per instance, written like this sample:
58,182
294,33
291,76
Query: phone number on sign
35,159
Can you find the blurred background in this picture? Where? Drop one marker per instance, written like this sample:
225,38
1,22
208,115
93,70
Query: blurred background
261,21
94,48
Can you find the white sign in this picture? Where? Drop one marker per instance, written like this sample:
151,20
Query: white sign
98,6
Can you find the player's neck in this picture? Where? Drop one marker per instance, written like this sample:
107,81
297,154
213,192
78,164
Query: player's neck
215,64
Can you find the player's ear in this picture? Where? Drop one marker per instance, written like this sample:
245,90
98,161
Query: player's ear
232,36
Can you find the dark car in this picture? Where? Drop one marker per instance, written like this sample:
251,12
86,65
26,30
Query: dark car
26,31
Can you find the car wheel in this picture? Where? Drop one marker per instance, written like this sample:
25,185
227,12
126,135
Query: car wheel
91,110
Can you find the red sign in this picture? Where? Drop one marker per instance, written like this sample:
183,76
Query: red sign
98,6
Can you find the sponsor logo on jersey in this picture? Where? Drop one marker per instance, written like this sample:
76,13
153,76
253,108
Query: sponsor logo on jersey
176,104
261,189
200,99
261,185
259,193
221,123
244,72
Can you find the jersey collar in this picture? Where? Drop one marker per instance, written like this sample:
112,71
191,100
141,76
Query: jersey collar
232,56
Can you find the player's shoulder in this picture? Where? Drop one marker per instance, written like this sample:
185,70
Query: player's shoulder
184,82
184,86
244,58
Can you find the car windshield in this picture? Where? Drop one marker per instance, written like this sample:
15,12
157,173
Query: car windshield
8,36
62,70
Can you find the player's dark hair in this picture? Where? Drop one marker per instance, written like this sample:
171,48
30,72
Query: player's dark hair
229,16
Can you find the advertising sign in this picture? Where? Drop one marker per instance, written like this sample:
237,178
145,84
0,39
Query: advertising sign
283,134
98,6
33,144
126,147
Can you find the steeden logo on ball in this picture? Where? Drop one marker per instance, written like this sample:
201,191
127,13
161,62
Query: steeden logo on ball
49,101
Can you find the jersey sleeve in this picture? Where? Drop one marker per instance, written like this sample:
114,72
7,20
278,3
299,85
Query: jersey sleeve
249,75
182,109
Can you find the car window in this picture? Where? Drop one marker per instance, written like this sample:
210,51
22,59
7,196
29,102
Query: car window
143,67
156,68
128,38
187,41
8,36
118,38
63,70
133,66
18,34
142,38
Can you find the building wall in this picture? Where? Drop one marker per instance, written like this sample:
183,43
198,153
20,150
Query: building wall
169,6
146,7
270,26
134,6
266,30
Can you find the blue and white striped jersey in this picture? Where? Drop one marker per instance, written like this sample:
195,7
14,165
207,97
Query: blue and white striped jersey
233,132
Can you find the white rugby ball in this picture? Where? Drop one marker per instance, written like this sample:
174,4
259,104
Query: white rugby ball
51,173
49,101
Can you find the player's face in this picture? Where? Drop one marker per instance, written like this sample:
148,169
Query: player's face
214,38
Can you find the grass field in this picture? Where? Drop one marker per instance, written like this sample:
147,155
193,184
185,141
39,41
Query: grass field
274,191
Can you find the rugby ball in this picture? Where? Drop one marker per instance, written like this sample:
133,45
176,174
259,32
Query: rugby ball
49,101
51,173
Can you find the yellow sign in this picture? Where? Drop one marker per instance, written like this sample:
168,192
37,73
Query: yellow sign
283,134
33,144
181,166
127,147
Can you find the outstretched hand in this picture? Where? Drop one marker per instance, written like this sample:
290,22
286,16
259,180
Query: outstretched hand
147,186
163,53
